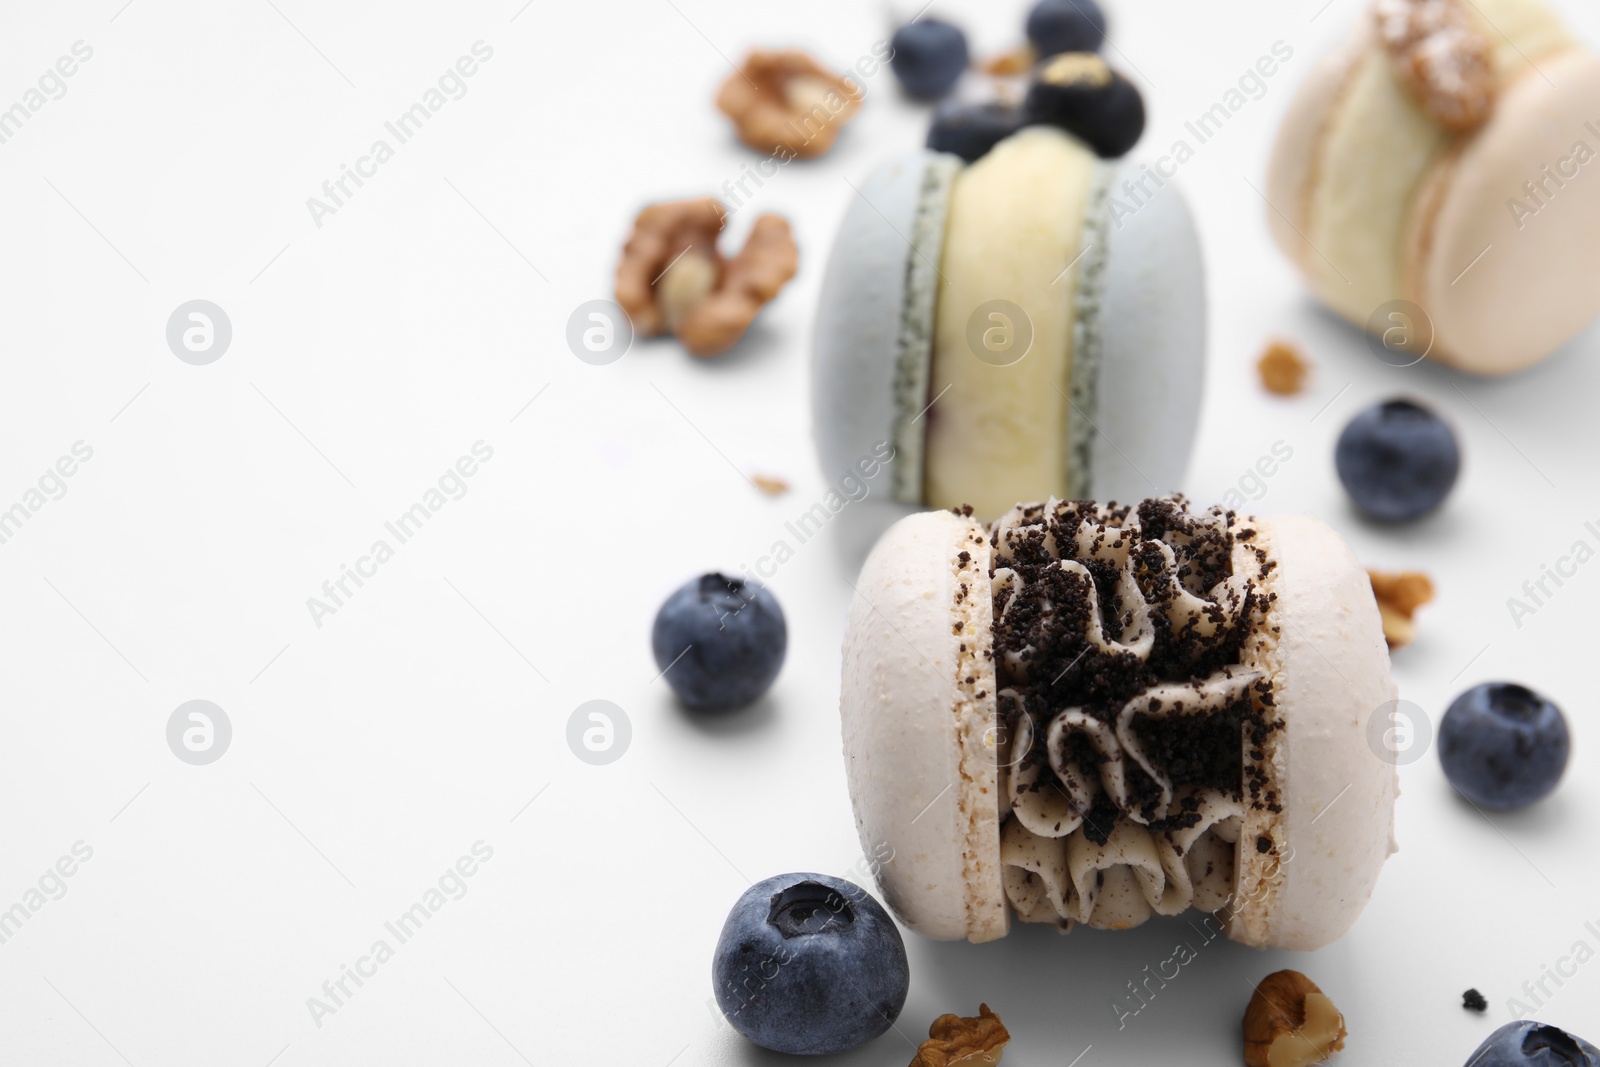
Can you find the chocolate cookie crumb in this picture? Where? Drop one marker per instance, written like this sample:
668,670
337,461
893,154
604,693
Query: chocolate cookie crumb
1046,661
1473,1000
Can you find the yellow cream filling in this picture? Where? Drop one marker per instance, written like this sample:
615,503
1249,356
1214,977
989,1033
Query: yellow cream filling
998,429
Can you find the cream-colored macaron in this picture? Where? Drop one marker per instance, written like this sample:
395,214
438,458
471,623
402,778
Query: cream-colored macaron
1445,157
1088,714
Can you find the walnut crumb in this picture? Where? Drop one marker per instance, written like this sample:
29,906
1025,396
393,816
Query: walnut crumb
769,484
969,1042
1283,368
1291,1023
1399,596
1012,62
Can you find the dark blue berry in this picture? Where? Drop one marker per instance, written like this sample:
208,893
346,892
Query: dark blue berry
1398,460
928,56
720,642
1079,93
1530,1043
810,965
970,130
1503,745
1056,26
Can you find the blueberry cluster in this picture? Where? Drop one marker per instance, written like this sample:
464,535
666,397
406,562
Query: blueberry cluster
1071,86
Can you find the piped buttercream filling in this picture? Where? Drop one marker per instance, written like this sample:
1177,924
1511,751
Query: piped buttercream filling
1132,729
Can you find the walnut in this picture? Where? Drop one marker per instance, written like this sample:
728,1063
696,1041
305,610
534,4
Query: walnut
1011,63
1399,596
770,484
672,279
1084,69
1283,369
1290,1023
788,104
1442,56
969,1042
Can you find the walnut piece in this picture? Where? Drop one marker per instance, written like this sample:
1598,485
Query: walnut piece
1084,69
1399,596
672,279
1290,1023
969,1042
1283,369
786,103
770,484
1442,56
1013,62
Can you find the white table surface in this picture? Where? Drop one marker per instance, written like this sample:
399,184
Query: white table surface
371,752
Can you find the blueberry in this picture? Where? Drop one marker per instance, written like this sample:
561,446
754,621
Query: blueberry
1503,746
1056,26
928,56
719,642
810,965
1079,93
970,130
1398,460
1530,1043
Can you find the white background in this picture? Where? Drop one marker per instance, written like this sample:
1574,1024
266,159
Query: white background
372,752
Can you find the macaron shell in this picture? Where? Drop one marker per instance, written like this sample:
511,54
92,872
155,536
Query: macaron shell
859,315
1151,368
1330,669
919,746
1505,291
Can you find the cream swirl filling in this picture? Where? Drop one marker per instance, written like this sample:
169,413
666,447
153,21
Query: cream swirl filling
1128,718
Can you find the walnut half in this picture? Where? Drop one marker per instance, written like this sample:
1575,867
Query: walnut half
1442,56
788,104
1290,1023
672,278
968,1042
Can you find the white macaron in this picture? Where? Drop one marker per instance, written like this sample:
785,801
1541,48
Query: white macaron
1087,714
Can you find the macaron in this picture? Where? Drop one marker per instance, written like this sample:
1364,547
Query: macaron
1012,328
1087,714
1443,157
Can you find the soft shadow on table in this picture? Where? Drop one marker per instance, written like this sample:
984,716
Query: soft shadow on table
760,342
748,720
